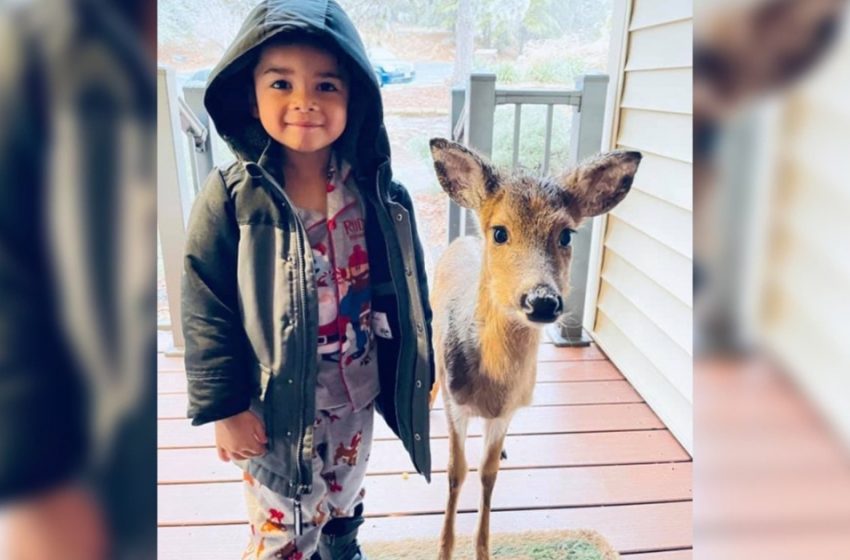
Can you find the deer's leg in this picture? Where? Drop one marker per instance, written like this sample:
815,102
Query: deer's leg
435,390
494,437
457,469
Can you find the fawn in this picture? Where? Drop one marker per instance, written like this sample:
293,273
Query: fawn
490,297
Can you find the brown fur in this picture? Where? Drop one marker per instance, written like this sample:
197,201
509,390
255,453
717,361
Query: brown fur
485,335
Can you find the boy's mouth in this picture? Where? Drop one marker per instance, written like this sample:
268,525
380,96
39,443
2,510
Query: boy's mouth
304,124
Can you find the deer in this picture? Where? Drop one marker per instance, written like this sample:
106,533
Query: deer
492,295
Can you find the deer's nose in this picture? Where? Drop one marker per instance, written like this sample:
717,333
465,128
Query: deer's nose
542,304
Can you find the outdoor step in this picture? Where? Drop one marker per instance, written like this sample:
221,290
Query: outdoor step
516,489
527,421
389,456
545,394
626,528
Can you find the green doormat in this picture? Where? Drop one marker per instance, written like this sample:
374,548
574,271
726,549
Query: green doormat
538,545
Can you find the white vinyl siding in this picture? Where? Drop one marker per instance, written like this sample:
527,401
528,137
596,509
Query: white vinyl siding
805,308
644,306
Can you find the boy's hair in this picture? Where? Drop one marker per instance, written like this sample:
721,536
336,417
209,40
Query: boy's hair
346,145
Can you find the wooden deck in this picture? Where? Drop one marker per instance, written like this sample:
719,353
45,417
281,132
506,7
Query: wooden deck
588,454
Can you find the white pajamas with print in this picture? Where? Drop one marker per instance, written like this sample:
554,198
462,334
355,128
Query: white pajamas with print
347,384
343,443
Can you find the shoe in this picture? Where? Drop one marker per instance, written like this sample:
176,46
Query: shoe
339,538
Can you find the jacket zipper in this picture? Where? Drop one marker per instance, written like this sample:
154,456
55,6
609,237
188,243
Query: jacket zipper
300,488
297,522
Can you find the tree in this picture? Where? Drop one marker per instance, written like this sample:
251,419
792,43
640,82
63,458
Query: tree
464,42
216,21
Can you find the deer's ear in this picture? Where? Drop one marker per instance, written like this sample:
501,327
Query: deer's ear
463,174
597,185
794,35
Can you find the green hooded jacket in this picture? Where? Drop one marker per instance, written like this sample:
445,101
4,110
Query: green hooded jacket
249,300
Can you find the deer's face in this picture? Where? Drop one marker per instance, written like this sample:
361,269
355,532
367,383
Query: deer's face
528,223
528,232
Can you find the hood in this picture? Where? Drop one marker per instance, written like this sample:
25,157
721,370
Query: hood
229,87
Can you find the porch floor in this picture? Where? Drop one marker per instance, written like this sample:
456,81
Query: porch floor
589,454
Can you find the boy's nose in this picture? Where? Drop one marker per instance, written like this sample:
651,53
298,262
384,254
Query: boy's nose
303,102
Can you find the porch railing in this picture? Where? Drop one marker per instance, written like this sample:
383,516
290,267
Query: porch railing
181,122
472,124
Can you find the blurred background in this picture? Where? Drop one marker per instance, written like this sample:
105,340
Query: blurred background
77,274
772,279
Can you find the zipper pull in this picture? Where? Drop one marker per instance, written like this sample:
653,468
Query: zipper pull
298,529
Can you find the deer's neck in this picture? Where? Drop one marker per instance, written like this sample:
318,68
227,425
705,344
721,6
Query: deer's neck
508,346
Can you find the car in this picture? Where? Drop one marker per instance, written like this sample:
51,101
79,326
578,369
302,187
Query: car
389,69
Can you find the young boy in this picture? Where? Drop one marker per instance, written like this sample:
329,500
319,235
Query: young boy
304,298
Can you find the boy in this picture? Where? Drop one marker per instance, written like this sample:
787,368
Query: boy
304,300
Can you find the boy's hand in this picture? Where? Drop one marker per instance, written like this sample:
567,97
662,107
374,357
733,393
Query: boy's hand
240,436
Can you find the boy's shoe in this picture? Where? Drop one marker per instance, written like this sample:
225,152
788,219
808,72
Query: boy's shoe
339,538
357,556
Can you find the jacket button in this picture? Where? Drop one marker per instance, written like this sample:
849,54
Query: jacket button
289,381
418,384
417,437
399,217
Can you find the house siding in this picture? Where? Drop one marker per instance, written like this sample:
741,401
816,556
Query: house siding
644,304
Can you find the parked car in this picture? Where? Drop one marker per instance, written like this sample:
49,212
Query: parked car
389,69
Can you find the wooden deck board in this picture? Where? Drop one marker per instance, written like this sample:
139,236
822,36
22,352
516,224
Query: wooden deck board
665,555
389,456
528,421
588,454
549,394
547,353
627,529
517,489
547,372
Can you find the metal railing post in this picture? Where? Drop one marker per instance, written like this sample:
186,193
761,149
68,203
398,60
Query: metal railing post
477,134
482,110
479,126
586,140
173,193
202,156
458,99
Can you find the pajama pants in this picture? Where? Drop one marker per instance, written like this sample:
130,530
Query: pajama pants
343,441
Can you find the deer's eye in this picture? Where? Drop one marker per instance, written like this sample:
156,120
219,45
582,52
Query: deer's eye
564,238
500,235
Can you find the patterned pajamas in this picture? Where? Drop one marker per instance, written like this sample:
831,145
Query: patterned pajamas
343,443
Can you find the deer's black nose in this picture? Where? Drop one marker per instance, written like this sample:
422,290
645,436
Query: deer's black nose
542,304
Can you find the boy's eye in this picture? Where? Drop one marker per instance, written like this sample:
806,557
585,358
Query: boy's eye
281,84
327,86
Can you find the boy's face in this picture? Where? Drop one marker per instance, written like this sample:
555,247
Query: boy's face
301,96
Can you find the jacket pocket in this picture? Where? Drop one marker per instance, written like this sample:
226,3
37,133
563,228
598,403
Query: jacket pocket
266,382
